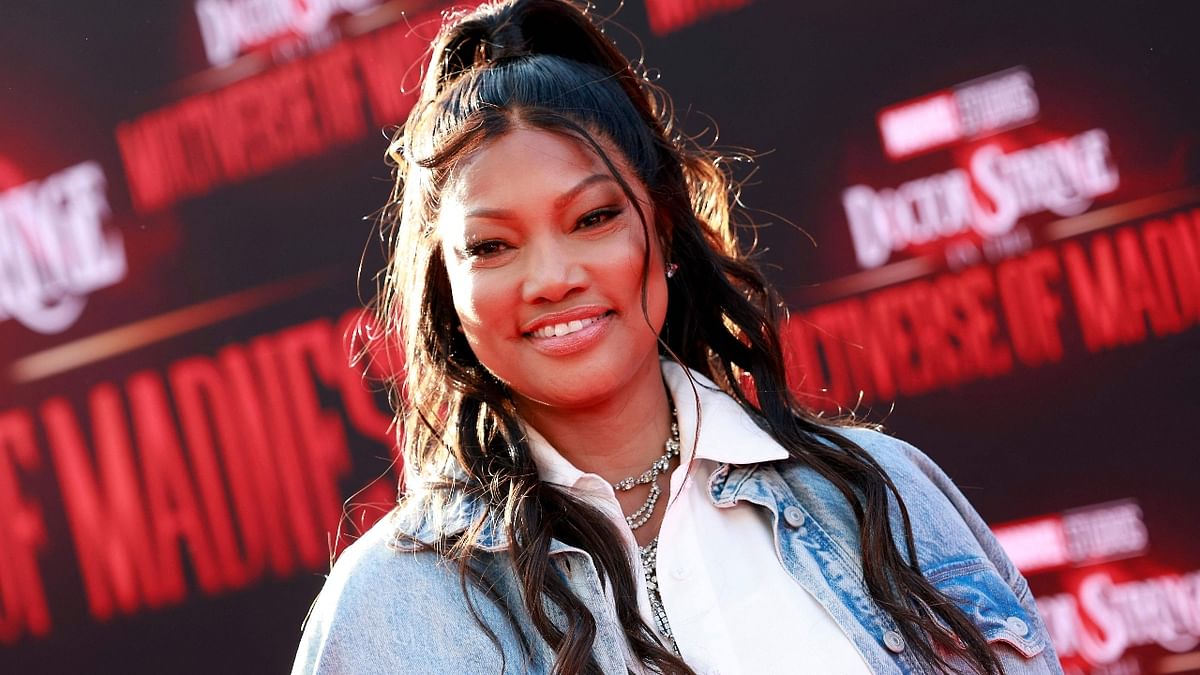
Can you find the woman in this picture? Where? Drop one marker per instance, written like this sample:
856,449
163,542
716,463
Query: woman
605,471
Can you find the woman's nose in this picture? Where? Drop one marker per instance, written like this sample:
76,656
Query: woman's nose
552,272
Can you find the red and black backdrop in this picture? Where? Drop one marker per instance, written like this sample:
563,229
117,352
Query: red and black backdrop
986,221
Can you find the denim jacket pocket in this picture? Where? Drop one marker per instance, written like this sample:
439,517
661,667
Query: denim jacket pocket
991,604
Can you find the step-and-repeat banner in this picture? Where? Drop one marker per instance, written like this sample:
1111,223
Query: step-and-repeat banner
986,221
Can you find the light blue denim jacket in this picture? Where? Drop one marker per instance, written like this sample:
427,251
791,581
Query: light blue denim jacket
386,608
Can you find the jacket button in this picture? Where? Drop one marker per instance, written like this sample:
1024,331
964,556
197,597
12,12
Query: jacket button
794,516
893,641
1017,626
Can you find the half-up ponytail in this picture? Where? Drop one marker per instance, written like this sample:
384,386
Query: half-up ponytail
502,31
544,64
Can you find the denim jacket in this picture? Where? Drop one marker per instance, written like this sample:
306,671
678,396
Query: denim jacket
387,608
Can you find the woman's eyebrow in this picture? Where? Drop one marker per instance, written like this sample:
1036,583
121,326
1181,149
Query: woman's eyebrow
565,198
560,202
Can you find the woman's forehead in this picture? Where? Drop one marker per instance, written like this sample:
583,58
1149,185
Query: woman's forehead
528,166
498,161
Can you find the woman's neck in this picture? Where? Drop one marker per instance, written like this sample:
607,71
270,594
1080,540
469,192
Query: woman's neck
616,437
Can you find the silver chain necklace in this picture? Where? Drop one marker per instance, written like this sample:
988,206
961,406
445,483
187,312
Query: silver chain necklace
642,515
649,555
649,552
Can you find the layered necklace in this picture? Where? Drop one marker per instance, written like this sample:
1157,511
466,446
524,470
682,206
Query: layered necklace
649,552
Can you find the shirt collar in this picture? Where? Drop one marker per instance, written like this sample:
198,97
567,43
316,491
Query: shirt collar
714,423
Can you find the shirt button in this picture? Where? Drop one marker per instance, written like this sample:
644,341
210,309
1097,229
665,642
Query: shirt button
794,516
1017,625
893,641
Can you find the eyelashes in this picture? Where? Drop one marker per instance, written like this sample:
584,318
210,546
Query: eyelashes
599,217
484,249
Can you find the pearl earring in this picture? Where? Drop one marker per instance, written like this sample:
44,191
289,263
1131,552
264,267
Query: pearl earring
672,268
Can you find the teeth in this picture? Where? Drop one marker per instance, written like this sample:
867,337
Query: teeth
561,329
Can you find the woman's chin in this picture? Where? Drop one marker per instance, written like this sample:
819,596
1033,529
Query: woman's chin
587,383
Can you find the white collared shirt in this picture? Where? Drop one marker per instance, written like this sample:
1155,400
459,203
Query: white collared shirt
732,606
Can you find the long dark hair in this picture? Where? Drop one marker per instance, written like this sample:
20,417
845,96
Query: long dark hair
544,64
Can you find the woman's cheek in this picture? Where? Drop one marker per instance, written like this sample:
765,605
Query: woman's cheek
489,302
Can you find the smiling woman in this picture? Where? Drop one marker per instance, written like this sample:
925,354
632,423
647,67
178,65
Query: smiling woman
605,471
544,253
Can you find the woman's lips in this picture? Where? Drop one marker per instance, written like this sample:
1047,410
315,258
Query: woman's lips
589,332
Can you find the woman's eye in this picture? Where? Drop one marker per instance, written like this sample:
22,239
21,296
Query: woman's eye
485,249
598,217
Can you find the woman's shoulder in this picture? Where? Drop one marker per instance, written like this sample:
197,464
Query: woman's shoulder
875,441
379,553
373,572
937,508
899,458
370,609
906,465
388,605
386,566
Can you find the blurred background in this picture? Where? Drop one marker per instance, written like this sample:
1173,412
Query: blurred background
985,219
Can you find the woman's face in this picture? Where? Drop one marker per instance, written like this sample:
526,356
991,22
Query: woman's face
544,253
